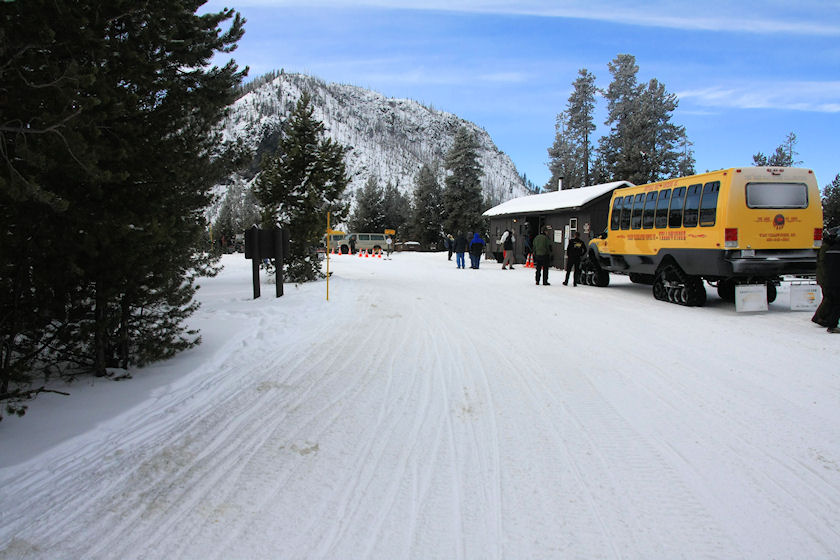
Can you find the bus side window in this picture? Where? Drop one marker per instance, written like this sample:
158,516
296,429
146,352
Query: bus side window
692,205
661,219
615,219
626,208
638,206
676,211
650,208
708,204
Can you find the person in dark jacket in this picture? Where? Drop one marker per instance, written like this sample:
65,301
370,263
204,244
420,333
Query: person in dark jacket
476,250
574,252
829,237
528,251
831,286
460,245
542,256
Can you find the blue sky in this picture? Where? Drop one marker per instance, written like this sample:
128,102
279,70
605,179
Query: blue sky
746,72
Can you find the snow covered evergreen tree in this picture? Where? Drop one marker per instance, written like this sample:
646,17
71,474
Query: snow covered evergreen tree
396,208
462,196
299,184
427,218
369,213
109,146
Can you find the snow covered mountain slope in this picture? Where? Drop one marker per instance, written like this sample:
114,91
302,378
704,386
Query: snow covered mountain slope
389,139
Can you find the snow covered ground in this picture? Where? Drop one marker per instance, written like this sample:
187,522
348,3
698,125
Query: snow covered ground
429,412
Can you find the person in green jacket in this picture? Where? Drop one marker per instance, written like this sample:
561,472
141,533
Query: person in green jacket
542,256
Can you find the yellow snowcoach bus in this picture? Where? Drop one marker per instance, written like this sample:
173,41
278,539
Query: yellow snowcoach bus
735,226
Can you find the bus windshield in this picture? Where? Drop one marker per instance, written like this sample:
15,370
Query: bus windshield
777,195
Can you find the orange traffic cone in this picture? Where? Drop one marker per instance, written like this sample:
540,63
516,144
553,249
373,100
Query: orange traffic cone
380,254
360,254
367,255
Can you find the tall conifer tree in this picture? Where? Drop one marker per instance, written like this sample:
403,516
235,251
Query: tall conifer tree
300,183
396,209
462,196
428,208
109,148
369,213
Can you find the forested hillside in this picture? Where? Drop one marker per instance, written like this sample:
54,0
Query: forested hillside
389,139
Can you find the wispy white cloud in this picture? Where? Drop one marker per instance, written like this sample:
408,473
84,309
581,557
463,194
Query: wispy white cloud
802,17
820,97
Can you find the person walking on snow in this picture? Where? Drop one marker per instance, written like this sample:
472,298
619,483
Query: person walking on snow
507,245
829,238
460,247
831,286
575,250
476,250
542,256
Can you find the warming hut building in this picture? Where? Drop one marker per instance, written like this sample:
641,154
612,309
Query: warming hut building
583,210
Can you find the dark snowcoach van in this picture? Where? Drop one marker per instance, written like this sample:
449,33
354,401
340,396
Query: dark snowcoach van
735,226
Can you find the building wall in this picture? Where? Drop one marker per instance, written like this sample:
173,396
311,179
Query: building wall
591,221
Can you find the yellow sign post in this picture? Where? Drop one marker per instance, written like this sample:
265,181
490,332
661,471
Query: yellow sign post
330,233
329,230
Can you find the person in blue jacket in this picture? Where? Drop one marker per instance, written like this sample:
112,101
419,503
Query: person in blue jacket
476,250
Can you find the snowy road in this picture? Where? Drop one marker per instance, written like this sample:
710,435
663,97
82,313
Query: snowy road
429,412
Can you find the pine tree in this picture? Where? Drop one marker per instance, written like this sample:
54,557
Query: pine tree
109,144
831,203
369,214
565,157
462,196
643,144
426,223
685,167
661,140
396,209
619,154
784,156
581,121
300,183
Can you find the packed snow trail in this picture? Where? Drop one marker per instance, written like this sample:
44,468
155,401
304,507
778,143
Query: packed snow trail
429,412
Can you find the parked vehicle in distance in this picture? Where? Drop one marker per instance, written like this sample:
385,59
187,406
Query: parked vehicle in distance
364,242
408,246
729,227
335,240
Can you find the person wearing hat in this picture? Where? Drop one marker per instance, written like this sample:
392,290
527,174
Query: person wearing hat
574,252
829,238
542,256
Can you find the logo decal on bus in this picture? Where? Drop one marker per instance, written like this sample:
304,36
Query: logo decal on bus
779,221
